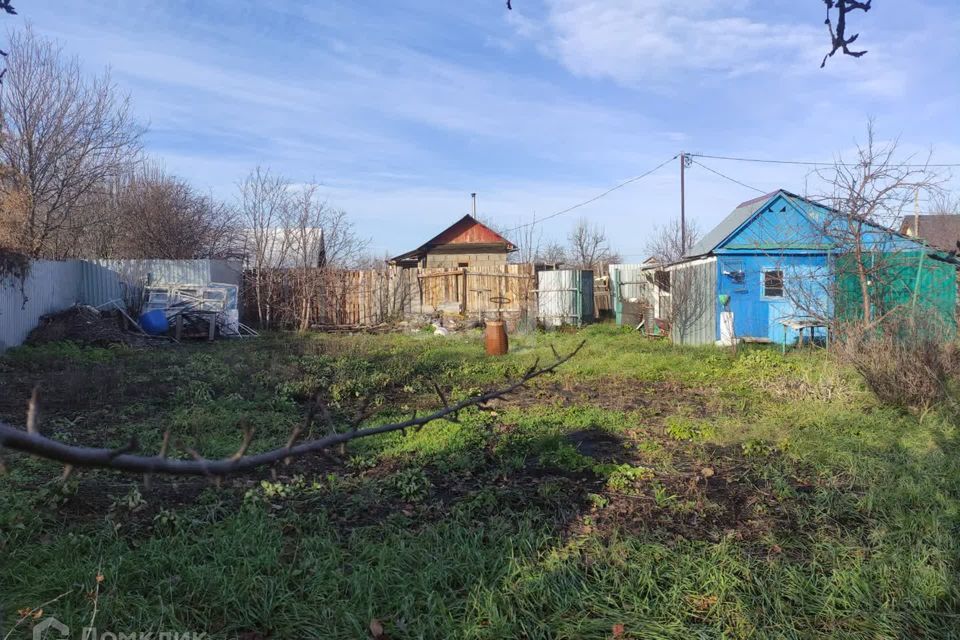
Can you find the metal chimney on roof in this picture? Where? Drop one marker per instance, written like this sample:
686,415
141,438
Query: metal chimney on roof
474,196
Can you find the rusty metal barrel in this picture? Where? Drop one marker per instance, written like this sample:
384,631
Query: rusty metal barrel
495,338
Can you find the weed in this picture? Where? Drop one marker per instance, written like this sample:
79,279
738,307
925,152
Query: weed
412,485
562,455
682,428
361,462
132,501
756,448
623,477
597,501
166,521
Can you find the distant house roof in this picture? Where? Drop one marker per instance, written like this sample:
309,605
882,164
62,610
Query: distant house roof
466,234
939,231
731,223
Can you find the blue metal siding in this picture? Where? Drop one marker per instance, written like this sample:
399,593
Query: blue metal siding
806,280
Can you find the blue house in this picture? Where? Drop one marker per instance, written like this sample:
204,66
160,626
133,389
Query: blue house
768,267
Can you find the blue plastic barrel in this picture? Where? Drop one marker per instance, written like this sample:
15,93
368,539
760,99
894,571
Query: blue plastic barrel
154,322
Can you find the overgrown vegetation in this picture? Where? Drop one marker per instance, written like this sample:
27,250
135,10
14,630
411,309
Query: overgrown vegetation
645,491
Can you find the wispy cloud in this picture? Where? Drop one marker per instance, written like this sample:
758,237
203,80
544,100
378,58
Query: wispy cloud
637,41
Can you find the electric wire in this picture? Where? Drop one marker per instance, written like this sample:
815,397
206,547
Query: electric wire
726,177
596,197
809,163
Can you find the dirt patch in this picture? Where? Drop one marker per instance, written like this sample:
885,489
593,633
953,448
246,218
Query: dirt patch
600,445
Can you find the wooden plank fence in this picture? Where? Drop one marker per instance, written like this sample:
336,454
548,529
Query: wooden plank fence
374,296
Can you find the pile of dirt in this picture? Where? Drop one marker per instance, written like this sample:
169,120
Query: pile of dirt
84,324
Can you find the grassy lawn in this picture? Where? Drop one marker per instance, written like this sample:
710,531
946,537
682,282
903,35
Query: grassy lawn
678,492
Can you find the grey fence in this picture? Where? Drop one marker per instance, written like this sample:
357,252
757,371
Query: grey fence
54,286
564,297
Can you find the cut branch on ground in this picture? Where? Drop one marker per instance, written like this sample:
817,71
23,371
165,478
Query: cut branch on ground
33,442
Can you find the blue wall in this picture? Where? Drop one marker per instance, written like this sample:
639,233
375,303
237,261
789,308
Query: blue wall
740,276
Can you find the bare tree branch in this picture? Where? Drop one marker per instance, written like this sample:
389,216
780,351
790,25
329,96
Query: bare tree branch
590,247
838,38
121,460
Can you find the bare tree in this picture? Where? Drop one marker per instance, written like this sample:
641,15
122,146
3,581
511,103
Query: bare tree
65,136
666,245
552,253
528,238
323,242
944,204
589,246
297,248
866,198
162,216
263,208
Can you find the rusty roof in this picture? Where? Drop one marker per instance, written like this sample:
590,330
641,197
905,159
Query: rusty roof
466,231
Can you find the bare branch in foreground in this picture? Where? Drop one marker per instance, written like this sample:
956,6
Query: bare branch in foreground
121,460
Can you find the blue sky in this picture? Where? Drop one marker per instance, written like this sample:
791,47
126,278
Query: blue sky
402,108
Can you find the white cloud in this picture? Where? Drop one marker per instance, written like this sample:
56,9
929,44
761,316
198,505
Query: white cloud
635,41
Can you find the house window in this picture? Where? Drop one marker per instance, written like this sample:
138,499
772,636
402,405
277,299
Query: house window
773,283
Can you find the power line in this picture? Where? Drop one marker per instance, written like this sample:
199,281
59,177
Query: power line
596,197
726,177
810,163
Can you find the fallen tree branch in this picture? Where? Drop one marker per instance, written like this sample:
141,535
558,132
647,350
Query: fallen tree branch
36,444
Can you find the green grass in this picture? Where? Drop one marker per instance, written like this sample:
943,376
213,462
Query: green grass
678,492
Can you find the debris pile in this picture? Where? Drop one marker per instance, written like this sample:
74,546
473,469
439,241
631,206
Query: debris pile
86,325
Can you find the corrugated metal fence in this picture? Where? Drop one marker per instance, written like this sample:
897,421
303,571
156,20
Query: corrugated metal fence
693,302
564,297
53,286
50,286
686,299
104,280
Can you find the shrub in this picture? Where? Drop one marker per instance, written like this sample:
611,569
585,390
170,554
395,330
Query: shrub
907,362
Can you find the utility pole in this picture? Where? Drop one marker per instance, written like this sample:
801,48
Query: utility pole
683,207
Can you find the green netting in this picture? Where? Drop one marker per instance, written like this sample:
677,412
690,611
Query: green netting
903,283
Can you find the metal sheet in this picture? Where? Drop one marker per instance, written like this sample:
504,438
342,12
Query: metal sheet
628,283
105,280
697,324
561,297
564,297
49,287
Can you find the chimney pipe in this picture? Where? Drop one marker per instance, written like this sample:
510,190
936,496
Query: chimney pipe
474,196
